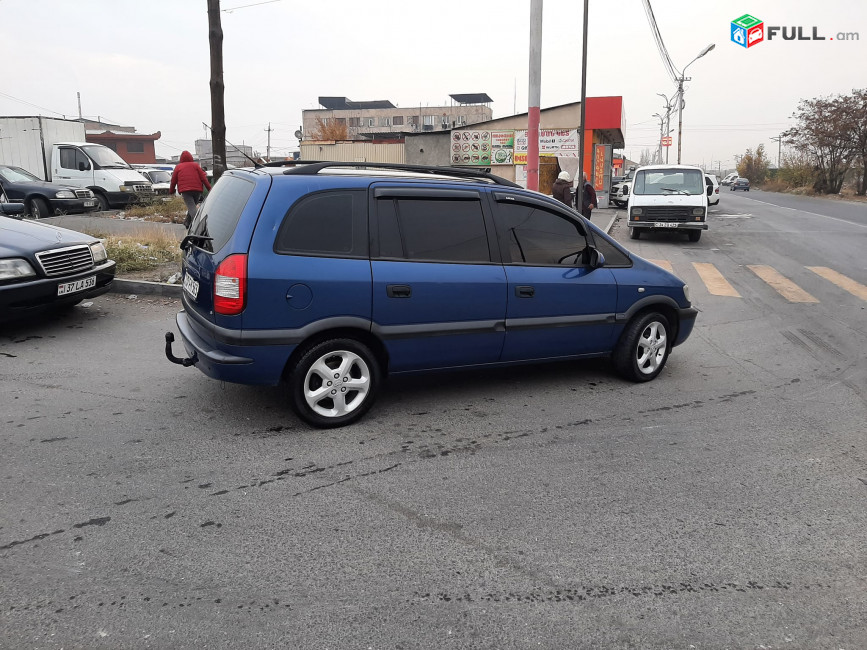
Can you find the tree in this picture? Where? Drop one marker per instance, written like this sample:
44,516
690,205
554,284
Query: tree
754,166
857,119
824,133
646,158
796,169
332,130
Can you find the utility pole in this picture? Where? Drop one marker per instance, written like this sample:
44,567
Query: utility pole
79,105
268,149
779,141
218,109
535,95
582,129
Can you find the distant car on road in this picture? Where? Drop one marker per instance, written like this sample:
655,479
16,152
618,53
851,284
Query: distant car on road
44,267
728,180
741,184
40,198
159,178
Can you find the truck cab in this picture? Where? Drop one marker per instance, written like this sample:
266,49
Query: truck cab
101,170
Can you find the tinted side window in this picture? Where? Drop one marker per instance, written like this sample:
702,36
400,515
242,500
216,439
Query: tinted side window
430,229
538,236
331,223
221,211
613,255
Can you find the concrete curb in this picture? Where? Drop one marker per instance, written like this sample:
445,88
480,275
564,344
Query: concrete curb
143,288
607,229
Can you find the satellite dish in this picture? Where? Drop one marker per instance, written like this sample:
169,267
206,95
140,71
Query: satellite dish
298,134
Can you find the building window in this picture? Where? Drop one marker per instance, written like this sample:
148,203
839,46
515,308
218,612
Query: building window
371,121
354,121
462,120
134,146
430,120
384,121
397,120
413,119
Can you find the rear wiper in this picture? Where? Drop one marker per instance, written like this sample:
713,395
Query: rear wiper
194,239
672,189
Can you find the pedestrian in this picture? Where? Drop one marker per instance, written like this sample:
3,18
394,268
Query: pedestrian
562,189
189,178
588,198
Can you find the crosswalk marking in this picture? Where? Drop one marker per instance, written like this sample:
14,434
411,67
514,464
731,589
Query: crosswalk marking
785,287
855,288
714,281
664,264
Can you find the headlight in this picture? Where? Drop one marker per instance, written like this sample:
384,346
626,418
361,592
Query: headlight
637,212
64,194
686,292
126,188
98,250
15,268
698,212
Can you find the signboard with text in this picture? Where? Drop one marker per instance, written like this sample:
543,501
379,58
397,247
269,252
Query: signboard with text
552,142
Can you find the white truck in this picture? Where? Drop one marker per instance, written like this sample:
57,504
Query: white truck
669,197
55,150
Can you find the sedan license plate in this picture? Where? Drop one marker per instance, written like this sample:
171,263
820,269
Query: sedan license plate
75,287
191,286
667,224
89,204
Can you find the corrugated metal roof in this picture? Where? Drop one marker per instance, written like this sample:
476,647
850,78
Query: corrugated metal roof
472,98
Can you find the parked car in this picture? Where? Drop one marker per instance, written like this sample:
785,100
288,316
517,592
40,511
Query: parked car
741,184
729,179
329,276
711,181
669,197
42,199
43,267
159,178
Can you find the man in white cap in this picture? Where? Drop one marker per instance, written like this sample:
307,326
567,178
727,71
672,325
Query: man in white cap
562,189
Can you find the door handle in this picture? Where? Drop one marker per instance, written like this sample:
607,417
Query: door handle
398,290
525,292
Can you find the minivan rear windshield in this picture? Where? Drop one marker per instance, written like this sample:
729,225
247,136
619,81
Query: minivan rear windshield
221,211
669,181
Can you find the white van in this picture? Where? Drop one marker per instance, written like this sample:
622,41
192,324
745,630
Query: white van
668,197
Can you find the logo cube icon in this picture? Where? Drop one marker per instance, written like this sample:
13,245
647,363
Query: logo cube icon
748,31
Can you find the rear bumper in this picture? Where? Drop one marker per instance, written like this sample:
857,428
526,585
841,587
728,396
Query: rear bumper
249,364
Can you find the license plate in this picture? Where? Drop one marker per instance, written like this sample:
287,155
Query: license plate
75,287
191,286
668,224
89,204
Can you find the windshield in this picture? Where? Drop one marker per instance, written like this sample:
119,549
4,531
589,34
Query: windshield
159,176
669,181
105,157
17,175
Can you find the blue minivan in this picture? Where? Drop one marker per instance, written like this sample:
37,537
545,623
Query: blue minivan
331,276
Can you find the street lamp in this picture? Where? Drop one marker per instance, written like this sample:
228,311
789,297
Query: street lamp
680,81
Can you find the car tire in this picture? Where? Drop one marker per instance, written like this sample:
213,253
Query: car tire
634,233
694,235
643,348
39,208
103,202
355,382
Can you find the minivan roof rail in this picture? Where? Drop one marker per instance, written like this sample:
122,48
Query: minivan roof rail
313,167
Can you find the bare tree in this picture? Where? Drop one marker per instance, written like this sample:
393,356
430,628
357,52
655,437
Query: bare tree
646,158
332,130
824,133
857,109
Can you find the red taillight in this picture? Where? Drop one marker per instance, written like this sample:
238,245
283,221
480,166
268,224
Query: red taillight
230,285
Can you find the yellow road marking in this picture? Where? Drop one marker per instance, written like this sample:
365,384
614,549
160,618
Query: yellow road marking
714,280
664,264
855,288
781,284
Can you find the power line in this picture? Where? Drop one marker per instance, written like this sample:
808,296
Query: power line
660,45
255,4
24,101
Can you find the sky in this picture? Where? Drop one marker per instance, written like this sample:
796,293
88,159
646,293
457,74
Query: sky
147,64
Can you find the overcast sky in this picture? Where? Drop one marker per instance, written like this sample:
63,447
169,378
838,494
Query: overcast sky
146,64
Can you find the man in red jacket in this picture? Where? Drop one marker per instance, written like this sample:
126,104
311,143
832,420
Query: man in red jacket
189,178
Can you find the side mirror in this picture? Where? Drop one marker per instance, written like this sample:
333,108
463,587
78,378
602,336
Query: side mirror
597,259
12,209
83,167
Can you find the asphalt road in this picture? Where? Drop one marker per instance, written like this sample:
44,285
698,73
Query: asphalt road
720,506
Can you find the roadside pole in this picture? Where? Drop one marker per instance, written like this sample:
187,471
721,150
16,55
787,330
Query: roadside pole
535,95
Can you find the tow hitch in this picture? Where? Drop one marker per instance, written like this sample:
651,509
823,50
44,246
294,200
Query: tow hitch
189,361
